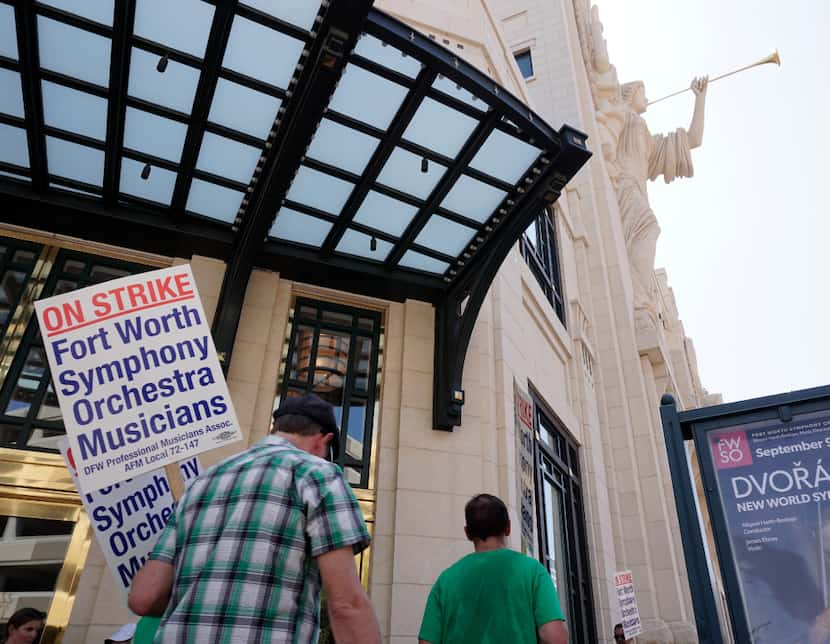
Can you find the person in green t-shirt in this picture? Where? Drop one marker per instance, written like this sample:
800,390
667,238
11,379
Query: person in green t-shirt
493,595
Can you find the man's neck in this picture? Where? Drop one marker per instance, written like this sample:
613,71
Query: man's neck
488,544
297,440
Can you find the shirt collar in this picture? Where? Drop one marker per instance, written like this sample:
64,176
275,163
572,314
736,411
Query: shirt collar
277,441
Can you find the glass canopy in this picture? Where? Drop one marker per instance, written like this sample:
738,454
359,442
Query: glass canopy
131,118
175,108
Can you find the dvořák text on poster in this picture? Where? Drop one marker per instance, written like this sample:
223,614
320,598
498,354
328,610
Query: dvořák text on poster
136,375
774,483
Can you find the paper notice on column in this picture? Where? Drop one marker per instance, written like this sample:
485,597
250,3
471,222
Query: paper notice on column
128,517
136,375
624,586
524,467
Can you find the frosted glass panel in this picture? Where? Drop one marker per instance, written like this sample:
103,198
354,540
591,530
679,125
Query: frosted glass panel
180,24
355,243
261,52
367,97
8,32
319,190
97,10
342,147
11,93
154,135
13,145
385,214
299,227
214,201
243,109
445,236
472,198
298,12
74,52
403,172
420,262
74,111
505,157
157,187
446,86
227,158
175,88
73,161
388,56
440,128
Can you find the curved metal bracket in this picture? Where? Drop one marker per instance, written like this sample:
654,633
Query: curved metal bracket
457,312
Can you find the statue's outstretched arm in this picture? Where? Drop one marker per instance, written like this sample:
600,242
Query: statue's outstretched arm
699,87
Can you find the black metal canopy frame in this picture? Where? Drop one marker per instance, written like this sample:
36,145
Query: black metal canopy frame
385,165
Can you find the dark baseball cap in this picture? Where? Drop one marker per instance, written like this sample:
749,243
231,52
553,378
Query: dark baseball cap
315,408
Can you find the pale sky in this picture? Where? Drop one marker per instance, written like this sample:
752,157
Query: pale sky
745,241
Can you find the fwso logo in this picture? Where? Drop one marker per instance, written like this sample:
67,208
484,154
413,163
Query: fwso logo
731,450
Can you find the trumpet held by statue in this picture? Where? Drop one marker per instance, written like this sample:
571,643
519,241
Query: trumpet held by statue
772,58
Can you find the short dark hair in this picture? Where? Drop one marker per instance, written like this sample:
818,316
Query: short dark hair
296,424
486,516
23,616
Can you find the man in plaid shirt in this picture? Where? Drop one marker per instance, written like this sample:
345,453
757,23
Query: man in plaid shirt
245,553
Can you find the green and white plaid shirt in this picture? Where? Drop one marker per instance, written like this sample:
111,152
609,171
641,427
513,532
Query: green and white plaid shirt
243,541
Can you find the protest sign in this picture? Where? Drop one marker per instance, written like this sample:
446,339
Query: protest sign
630,612
128,517
773,480
524,465
136,375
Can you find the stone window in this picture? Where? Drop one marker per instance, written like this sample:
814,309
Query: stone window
525,62
333,351
539,248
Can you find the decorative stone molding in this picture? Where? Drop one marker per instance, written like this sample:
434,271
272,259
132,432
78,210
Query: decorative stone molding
582,334
684,633
655,631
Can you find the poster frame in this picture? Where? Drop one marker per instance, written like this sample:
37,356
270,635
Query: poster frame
693,426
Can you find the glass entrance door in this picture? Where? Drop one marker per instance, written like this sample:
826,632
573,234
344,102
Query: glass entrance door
554,540
562,545
44,539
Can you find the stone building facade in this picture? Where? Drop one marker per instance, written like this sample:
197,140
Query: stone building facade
558,323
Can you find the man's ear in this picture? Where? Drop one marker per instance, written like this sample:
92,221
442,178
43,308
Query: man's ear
507,529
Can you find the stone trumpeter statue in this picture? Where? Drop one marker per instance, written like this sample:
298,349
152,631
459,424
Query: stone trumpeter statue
638,156
632,154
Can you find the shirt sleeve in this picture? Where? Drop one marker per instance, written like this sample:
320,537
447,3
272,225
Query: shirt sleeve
165,549
334,519
432,623
546,606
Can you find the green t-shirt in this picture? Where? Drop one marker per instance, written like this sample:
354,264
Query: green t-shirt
146,629
490,598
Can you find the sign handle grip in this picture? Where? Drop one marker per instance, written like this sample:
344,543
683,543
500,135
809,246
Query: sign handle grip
176,480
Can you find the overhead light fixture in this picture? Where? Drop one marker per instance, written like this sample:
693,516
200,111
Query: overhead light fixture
373,244
145,171
161,67
424,165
